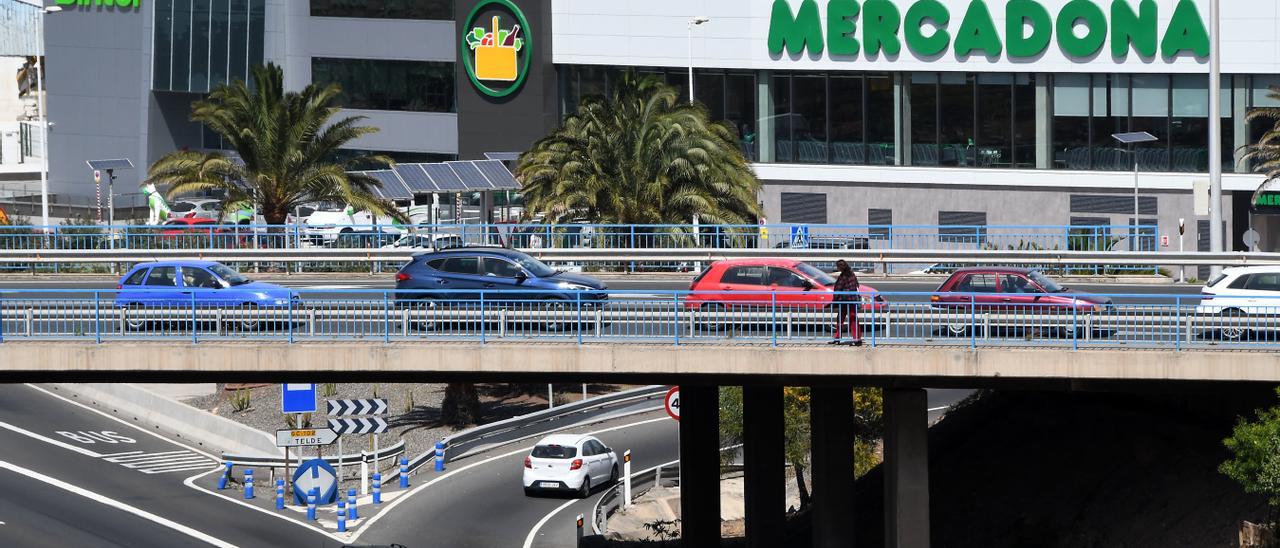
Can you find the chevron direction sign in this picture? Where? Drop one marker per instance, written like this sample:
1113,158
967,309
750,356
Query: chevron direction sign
346,408
372,425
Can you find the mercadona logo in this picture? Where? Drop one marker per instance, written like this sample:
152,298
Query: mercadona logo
496,47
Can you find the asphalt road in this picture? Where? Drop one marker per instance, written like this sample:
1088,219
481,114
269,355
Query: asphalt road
45,435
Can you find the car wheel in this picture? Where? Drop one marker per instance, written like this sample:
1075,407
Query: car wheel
957,329
585,490
555,309
529,492
716,312
133,320
1233,333
248,317
613,475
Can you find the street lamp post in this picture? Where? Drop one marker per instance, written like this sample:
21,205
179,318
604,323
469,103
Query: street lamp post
44,123
1132,139
693,23
1215,137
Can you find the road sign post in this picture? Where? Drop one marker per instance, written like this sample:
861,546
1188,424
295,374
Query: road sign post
374,425
626,479
316,476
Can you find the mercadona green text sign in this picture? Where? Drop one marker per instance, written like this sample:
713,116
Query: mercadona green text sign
845,28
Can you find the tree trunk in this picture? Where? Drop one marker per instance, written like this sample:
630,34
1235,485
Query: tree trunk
800,485
461,404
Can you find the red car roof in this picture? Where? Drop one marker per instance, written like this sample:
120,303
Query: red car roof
763,261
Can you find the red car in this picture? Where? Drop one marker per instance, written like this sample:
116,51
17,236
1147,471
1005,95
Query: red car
188,225
763,282
1000,287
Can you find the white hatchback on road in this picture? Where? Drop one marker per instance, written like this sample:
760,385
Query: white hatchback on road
569,462
1242,291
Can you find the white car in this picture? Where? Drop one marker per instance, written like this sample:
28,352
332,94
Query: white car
422,241
569,462
1242,291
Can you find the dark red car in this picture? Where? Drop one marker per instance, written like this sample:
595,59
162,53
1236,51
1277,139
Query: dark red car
189,225
764,282
1001,287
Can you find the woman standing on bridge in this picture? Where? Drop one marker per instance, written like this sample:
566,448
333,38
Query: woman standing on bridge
846,303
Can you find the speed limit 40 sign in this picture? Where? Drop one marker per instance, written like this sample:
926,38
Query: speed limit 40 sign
673,402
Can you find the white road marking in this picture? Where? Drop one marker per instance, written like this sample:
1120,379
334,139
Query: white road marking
49,440
449,473
932,409
101,499
528,541
165,461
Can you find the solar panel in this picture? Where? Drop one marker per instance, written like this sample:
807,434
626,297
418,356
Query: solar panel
118,163
502,156
415,178
444,177
470,175
392,188
498,174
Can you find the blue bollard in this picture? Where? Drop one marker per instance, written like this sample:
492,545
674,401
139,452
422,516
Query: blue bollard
311,503
377,488
248,484
342,515
404,472
279,494
440,456
226,475
351,504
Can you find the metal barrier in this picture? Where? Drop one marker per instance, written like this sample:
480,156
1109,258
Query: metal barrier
275,461
665,317
780,238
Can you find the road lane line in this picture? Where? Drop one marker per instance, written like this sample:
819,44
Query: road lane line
101,499
449,473
190,482
528,541
49,440
932,409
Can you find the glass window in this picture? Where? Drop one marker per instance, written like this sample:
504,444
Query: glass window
995,120
136,277
416,86
1024,121
880,133
238,50
161,66
1264,282
710,91
783,277
1071,121
977,283
257,28
534,266
816,273
554,452
1045,282
200,19
385,9
229,275
1151,114
181,45
1239,283
846,120
462,265
782,120
740,110
1189,127
163,276
810,130
744,275
199,277
956,119
219,41
1110,116
501,269
924,119
1016,283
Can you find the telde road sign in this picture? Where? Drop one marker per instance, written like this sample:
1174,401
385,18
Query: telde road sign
305,437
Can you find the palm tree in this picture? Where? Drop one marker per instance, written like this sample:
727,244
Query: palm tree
641,156
1265,154
286,142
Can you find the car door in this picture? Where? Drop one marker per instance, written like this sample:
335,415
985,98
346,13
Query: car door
744,286
983,287
1263,296
793,290
599,464
161,288
204,285
461,274
503,278
1018,293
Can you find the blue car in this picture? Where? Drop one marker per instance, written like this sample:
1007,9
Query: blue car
506,277
202,283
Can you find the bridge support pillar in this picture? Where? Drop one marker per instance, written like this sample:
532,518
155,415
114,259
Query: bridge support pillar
700,465
764,460
831,435
906,468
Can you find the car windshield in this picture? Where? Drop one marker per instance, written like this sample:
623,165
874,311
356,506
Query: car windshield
1044,281
534,267
554,452
817,274
231,276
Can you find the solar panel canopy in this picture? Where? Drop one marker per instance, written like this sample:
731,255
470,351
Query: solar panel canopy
118,163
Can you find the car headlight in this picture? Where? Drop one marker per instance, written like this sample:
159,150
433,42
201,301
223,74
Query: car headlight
572,286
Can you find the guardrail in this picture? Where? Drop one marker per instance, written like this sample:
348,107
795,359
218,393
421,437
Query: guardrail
641,482
389,452
671,317
137,241
1049,259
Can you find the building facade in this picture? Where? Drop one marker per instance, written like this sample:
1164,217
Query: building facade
902,112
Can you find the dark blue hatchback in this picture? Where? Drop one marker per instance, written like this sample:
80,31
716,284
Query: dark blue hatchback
501,275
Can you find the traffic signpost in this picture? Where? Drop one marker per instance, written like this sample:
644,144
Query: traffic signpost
315,474
374,425
344,408
672,403
296,398
305,437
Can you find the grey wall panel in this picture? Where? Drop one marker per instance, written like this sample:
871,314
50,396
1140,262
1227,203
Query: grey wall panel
408,131
382,39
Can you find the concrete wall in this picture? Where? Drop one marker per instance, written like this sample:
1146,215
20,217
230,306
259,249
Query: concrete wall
727,364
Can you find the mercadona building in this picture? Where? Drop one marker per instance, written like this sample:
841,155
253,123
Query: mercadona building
884,112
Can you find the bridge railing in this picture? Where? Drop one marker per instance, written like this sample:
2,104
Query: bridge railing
778,237
773,318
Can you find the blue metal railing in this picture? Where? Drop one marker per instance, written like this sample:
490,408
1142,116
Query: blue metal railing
773,318
543,236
